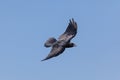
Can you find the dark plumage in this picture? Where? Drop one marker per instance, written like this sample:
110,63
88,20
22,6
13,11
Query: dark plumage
58,46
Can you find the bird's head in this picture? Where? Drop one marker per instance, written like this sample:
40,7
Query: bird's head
73,44
70,45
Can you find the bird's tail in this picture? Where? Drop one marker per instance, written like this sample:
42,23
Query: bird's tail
50,42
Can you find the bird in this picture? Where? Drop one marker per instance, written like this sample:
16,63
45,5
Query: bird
63,42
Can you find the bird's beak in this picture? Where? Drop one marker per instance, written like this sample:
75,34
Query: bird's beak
75,45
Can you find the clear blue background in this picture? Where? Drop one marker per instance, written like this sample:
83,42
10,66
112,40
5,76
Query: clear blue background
26,24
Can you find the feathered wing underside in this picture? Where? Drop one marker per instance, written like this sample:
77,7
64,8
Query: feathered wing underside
70,32
56,50
50,42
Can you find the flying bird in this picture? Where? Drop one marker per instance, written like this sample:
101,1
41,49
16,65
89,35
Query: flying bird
63,42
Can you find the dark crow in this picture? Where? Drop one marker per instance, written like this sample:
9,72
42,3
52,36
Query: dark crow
58,46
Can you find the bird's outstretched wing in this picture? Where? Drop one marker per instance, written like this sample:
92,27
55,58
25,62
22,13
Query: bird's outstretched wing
56,50
70,32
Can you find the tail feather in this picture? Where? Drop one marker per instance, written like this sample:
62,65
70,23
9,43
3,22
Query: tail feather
50,42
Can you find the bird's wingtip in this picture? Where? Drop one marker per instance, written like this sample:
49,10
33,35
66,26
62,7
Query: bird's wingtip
43,59
71,20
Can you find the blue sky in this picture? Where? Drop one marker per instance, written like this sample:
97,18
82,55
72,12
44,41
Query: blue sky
26,24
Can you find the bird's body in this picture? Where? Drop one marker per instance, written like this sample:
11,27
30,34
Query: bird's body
58,46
